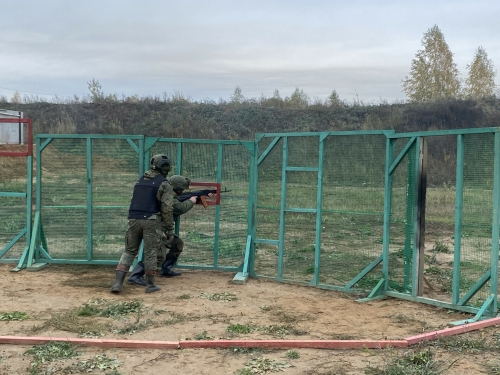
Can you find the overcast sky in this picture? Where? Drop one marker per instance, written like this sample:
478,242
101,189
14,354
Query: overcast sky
204,49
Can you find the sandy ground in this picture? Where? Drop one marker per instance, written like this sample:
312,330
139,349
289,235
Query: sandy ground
205,304
202,304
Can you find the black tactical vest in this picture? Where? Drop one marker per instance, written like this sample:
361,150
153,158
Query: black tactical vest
144,202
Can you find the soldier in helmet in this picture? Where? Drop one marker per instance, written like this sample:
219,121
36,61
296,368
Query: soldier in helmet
150,218
179,184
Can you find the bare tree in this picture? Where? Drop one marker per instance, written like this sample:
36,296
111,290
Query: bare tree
433,73
480,82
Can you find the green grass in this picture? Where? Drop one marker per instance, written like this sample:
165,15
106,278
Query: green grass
408,363
14,316
240,328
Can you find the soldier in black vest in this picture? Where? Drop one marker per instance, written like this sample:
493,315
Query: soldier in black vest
166,261
151,209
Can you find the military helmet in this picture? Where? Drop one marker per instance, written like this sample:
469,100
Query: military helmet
179,182
160,163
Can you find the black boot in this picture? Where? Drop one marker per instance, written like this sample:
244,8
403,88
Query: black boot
151,287
137,273
166,267
119,279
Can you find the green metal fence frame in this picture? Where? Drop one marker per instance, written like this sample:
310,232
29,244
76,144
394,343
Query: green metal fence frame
489,307
37,253
26,231
317,211
179,142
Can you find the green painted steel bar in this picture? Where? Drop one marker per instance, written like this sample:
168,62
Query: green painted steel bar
92,136
252,206
433,302
44,253
247,255
379,289
268,150
431,133
217,207
414,265
302,169
149,142
89,200
402,154
14,240
266,242
209,268
389,156
29,202
35,237
495,225
179,157
475,288
487,305
13,194
44,144
281,246
459,198
206,141
319,217
38,172
22,260
363,273
141,157
82,261
133,145
316,134
410,205
304,210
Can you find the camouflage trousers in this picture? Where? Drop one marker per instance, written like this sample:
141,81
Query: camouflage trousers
151,232
174,249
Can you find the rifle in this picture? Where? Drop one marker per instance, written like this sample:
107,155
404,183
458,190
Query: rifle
201,195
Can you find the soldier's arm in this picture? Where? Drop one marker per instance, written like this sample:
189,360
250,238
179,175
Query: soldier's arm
182,207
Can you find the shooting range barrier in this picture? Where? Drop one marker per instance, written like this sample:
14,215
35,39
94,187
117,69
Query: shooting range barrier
348,211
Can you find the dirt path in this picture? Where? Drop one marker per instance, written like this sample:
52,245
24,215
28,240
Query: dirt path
206,305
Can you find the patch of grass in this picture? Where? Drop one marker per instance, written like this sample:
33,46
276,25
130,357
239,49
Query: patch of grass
440,247
203,336
409,363
461,344
308,249
88,310
221,297
70,321
184,296
240,328
309,270
46,353
122,308
292,354
493,368
281,330
261,365
14,316
99,362
179,318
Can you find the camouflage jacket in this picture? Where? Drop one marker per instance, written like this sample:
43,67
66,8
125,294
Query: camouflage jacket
181,207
